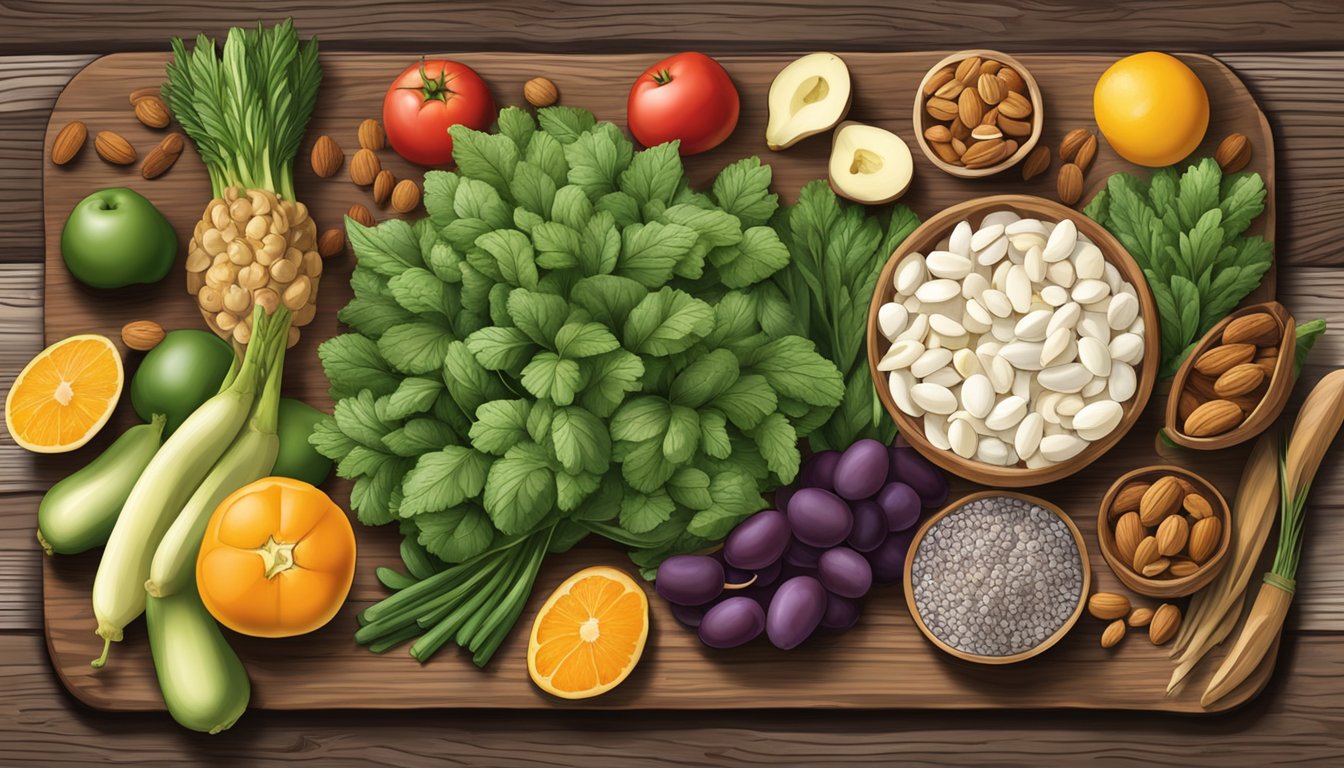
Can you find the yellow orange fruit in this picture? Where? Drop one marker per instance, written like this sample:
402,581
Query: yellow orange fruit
589,635
1152,108
65,395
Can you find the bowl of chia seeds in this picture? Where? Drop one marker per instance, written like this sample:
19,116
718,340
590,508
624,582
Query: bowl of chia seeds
997,577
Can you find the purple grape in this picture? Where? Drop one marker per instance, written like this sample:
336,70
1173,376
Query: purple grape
733,622
795,612
688,615
861,470
845,572
757,541
782,496
802,555
818,470
841,613
819,517
888,560
769,574
689,579
870,526
900,505
919,473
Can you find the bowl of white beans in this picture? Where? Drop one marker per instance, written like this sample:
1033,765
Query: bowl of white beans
1013,340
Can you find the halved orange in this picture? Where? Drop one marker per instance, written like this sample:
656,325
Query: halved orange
65,395
589,635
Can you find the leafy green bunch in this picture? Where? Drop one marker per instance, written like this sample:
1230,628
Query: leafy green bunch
1186,231
573,341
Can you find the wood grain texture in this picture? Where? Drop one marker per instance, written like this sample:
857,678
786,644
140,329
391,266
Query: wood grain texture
883,663
604,25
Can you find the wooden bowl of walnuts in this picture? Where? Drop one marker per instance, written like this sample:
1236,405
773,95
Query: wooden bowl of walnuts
977,113
1164,531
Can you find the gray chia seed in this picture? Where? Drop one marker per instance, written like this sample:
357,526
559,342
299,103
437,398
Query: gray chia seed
997,576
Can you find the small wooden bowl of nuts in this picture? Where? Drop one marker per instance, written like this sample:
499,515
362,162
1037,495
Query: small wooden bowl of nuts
1164,531
977,113
1236,381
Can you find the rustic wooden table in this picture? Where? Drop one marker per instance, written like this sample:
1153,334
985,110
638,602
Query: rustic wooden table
1288,54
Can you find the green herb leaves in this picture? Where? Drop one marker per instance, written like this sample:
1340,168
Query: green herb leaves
1186,232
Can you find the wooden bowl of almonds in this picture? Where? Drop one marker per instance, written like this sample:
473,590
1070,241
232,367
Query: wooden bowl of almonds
1164,531
977,113
1236,381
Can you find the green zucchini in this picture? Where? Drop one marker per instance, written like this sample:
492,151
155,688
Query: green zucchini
203,681
78,513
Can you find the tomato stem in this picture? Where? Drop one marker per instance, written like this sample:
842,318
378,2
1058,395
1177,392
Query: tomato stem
432,89
662,77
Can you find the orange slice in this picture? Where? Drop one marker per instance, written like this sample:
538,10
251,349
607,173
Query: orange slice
65,394
589,635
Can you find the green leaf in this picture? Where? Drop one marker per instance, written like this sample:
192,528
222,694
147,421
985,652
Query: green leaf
581,441
1199,189
539,315
667,322
370,495
779,445
641,419
455,535
735,497
468,382
1307,335
549,155
600,245
650,252
550,376
440,189
689,488
388,249
759,255
715,227
361,462
442,480
415,347
654,174
572,490
565,124
358,418
519,489
714,440
793,368
328,439
353,363
622,207
532,188
1243,199
683,434
579,340
608,298
419,436
705,379
1186,298
475,199
491,158
501,349
1199,248
641,513
512,251
499,425
518,126
612,376
419,291
747,402
414,395
558,246
743,189
596,160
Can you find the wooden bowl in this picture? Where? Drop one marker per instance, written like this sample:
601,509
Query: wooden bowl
928,235
1045,644
921,117
1270,406
1164,588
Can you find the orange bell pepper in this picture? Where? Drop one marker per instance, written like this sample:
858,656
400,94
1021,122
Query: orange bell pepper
278,559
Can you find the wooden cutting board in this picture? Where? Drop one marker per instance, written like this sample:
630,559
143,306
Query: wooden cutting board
883,663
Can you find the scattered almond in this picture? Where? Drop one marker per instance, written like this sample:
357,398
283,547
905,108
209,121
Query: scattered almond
382,186
1145,554
540,92
1069,185
364,167
1037,162
1233,153
970,108
1182,567
370,135
1086,153
327,157
1156,568
938,133
113,148
1197,506
938,79
1239,380
1074,139
1172,535
68,142
361,214
1166,620
1140,617
1107,605
1012,80
969,69
1015,105
1016,128
145,93
1205,535
950,90
142,335
1114,633
405,196
1258,328
1129,497
983,154
151,111
991,89
1220,359
1214,418
1162,498
163,156
941,109
331,243
1129,532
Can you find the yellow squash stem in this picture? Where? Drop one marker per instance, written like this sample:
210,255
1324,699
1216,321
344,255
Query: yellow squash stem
1262,628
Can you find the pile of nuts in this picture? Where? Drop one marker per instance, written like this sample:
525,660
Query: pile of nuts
113,148
1076,152
1164,528
1016,342
980,110
1162,623
1230,379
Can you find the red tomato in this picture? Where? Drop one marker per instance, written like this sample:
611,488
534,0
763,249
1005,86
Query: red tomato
425,100
689,97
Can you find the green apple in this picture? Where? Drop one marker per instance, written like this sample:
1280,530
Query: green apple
115,238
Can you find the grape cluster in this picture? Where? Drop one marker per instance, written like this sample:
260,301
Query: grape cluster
846,524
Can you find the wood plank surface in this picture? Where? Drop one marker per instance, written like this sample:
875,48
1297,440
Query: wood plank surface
882,663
